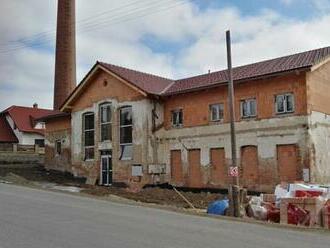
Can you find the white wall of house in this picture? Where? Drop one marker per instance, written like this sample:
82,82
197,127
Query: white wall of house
24,138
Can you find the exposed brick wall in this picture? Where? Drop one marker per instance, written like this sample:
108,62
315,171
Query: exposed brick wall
58,129
249,167
102,86
57,124
318,88
219,171
176,168
194,169
195,105
65,62
287,158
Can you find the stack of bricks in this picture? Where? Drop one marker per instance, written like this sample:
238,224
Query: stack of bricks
313,205
326,215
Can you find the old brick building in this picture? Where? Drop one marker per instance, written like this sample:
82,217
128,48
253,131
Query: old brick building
128,127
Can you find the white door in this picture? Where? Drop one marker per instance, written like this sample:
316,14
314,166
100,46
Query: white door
106,170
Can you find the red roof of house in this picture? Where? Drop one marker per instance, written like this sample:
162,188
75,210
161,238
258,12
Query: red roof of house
148,83
264,68
25,117
162,86
6,133
155,85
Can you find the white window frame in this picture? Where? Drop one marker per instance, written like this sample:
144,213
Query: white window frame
123,126
84,133
285,105
220,106
177,111
103,105
248,101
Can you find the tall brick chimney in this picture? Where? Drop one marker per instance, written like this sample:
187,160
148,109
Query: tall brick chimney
65,60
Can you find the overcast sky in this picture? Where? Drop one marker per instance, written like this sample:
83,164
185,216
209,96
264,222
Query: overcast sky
172,38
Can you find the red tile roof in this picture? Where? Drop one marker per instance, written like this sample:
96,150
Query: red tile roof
264,68
148,83
24,117
162,86
155,85
6,133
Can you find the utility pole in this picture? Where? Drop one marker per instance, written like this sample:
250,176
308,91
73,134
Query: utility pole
233,189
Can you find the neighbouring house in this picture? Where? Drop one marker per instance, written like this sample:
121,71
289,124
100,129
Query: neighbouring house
121,126
19,124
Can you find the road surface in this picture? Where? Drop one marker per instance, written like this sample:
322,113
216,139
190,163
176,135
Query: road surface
33,218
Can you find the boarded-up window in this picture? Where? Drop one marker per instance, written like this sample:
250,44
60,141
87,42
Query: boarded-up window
287,160
195,176
176,167
249,166
218,166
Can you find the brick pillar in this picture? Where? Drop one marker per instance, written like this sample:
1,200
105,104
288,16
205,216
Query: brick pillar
65,60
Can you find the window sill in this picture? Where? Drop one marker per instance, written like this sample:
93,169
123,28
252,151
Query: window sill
179,126
125,159
286,114
217,122
243,118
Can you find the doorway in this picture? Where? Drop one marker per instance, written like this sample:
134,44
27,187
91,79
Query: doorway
106,168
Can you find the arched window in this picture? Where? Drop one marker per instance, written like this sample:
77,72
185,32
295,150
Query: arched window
105,121
126,133
88,135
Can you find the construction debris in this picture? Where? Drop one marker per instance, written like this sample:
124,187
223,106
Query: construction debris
296,204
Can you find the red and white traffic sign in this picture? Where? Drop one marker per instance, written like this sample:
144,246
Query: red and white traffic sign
233,171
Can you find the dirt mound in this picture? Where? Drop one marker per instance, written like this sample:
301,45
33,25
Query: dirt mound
157,196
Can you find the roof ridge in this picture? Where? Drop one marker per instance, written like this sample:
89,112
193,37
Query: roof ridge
255,63
145,73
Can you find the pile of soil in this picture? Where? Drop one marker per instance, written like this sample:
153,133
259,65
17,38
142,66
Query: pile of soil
157,195
40,174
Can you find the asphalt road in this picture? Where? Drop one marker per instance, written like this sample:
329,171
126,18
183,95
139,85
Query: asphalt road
32,218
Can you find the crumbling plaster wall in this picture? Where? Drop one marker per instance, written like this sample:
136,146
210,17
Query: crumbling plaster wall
144,145
58,130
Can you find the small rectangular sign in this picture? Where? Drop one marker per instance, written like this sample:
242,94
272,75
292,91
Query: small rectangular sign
233,171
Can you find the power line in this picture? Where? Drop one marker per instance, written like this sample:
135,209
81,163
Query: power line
115,19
